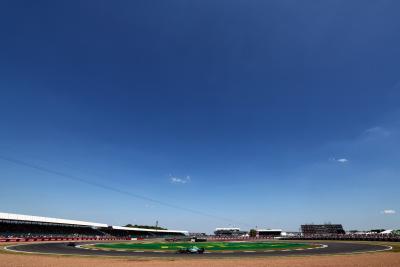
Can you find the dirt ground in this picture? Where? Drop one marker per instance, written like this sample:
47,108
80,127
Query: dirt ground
386,259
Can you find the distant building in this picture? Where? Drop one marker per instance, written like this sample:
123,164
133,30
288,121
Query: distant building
293,234
229,232
322,229
197,234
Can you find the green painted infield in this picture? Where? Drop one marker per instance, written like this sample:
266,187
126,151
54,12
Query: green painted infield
207,245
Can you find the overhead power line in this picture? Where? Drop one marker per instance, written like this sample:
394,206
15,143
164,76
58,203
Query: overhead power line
114,189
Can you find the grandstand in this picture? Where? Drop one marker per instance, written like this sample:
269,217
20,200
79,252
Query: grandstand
322,229
270,232
229,232
29,227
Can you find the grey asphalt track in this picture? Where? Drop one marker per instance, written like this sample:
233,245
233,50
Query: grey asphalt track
332,248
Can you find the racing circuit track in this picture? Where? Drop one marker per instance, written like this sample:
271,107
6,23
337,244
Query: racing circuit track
327,248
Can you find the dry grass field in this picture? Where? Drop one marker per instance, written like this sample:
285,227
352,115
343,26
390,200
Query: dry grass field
386,259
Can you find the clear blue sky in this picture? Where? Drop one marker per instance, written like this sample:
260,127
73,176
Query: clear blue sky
268,113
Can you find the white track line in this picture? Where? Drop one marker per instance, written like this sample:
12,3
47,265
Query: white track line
379,250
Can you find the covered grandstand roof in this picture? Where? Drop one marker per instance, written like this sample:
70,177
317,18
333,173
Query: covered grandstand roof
30,218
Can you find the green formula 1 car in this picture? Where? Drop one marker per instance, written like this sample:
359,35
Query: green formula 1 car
191,250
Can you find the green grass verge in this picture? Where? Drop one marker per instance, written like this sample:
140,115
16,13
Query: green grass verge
213,246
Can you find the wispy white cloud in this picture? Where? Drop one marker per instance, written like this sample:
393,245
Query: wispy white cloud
179,180
376,132
340,160
389,212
